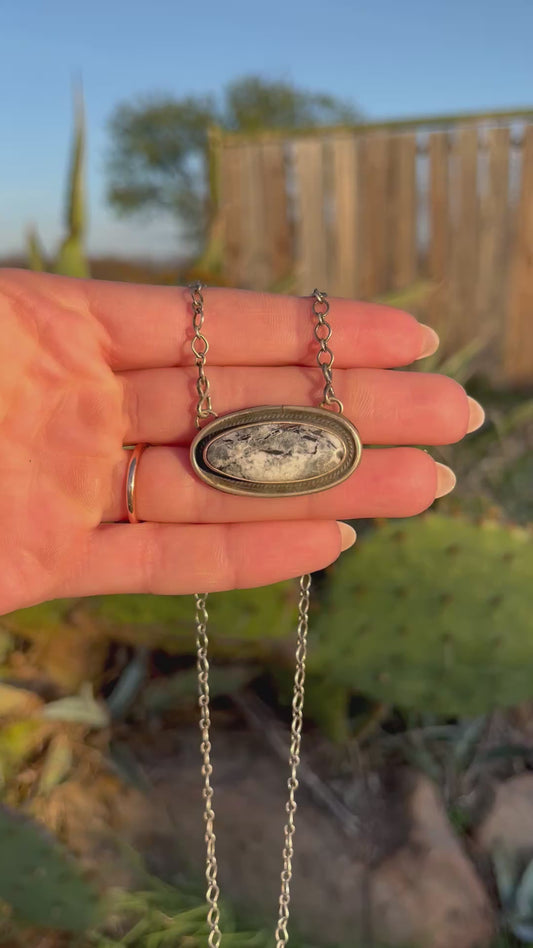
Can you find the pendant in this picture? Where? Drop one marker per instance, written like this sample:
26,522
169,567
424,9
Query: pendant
276,451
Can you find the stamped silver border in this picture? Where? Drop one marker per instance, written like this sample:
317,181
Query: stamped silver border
331,421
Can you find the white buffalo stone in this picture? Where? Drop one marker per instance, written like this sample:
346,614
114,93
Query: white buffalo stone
275,452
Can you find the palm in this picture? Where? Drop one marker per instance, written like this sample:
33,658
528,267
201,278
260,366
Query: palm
90,367
61,436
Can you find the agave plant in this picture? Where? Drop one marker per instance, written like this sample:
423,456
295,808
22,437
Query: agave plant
70,259
514,878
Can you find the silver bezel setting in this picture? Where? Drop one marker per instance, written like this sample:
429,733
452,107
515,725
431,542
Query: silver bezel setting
330,421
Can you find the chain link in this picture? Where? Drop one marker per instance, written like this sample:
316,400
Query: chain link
282,935
202,664
204,409
200,348
324,357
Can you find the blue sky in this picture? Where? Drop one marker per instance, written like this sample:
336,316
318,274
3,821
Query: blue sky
393,58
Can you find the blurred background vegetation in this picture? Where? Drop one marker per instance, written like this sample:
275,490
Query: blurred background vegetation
419,709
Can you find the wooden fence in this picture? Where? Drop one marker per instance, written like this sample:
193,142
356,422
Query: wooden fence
370,211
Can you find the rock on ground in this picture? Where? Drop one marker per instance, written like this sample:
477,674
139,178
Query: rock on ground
425,892
414,887
509,821
428,892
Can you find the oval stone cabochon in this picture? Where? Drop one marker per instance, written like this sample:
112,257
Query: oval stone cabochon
274,451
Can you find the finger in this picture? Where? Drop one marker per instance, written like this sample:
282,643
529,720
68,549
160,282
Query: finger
386,407
178,560
389,482
149,326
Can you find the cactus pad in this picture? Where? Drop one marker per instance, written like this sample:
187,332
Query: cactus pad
39,880
432,613
243,623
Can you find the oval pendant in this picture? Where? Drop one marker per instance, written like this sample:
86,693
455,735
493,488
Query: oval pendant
276,450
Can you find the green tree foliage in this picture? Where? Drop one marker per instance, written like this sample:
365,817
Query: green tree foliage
158,145
251,104
155,162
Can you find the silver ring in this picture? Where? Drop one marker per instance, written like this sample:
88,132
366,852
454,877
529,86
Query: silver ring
130,481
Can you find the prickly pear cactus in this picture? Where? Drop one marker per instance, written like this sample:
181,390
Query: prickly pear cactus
243,623
430,613
433,614
38,880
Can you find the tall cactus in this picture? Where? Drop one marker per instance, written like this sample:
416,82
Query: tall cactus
36,260
71,259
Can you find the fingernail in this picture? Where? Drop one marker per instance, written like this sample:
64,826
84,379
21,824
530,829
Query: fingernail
430,342
348,535
446,480
476,416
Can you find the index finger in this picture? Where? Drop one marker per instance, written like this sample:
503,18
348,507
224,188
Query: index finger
151,326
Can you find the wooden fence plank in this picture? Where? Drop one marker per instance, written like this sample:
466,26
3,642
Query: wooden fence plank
344,215
255,255
439,197
518,346
344,274
311,249
375,232
461,321
494,218
404,261
232,211
278,237
439,227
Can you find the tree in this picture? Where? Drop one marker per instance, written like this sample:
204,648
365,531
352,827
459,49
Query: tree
158,146
252,104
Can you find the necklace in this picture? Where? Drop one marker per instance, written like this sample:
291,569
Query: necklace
267,451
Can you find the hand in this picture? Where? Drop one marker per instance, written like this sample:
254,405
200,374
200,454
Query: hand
89,366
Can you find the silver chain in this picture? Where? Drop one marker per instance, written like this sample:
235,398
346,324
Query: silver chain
322,332
282,935
202,664
203,410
